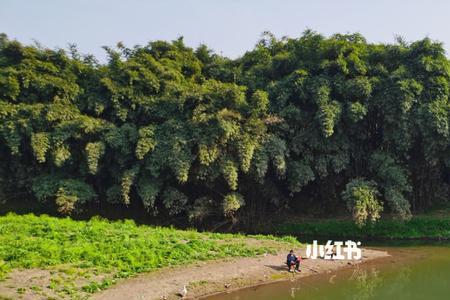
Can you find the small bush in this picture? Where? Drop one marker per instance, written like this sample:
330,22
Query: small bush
362,200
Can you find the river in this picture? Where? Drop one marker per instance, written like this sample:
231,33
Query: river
412,272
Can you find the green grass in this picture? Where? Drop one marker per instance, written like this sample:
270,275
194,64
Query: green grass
419,227
121,247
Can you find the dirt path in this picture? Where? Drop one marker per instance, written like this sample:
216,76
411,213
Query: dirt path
212,277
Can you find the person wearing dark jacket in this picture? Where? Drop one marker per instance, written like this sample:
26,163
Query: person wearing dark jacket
293,260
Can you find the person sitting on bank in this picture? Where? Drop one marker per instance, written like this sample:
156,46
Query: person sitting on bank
293,260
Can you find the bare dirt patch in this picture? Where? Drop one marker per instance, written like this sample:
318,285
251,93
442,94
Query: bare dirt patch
61,282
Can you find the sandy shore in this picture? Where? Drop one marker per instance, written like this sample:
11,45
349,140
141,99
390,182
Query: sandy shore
207,278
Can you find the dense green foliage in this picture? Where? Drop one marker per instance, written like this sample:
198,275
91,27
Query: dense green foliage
323,123
418,227
30,241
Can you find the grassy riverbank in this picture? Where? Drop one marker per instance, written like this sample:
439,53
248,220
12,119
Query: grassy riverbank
86,256
436,226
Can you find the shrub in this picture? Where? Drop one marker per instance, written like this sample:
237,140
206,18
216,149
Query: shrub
362,201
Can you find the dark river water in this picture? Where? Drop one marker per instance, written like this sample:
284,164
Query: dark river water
412,272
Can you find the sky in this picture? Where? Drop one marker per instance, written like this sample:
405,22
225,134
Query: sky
230,27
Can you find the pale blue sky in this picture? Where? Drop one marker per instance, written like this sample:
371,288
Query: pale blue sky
229,27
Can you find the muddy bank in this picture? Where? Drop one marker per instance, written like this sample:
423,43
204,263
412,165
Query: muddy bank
206,278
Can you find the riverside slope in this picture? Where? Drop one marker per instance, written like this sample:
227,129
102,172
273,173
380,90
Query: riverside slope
211,277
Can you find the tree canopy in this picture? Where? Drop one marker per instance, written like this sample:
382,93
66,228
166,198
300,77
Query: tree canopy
313,123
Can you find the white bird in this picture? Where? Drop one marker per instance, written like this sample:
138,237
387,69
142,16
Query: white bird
183,292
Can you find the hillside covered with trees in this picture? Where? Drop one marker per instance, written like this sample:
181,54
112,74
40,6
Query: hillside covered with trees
313,124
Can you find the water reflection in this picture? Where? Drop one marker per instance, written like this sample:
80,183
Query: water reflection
400,283
366,283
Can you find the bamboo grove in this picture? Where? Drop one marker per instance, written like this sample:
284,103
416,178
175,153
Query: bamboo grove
314,124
